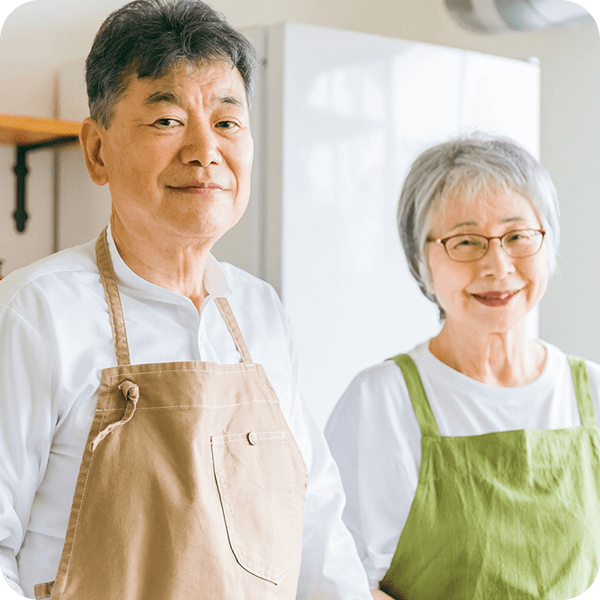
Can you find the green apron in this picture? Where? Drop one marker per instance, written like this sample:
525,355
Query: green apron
507,515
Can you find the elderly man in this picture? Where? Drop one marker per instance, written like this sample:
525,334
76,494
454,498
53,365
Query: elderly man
152,440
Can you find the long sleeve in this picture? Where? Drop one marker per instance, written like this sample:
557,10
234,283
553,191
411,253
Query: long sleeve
26,367
374,438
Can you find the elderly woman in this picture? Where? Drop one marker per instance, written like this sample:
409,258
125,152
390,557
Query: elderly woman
472,463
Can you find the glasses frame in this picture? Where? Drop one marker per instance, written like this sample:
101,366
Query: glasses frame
488,239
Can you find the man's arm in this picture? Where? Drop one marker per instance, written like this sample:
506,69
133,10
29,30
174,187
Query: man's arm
331,568
25,431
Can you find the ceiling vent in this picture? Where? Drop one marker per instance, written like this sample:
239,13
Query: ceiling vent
499,16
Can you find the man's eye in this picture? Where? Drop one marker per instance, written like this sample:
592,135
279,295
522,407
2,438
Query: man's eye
227,124
167,123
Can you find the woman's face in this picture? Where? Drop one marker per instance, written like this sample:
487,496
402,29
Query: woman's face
495,293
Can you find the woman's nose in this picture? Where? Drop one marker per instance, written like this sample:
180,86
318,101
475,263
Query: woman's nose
497,262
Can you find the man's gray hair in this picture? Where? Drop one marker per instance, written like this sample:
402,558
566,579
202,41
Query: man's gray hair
150,38
470,166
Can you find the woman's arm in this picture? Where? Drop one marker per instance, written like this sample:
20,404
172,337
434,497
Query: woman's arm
379,595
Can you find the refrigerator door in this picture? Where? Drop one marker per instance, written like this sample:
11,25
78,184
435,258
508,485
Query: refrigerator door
356,109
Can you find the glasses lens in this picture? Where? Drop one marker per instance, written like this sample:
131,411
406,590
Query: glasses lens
466,248
523,242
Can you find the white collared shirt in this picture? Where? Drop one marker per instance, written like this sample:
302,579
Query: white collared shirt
375,437
55,339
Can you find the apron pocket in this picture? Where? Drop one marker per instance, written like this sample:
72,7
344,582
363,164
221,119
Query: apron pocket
262,500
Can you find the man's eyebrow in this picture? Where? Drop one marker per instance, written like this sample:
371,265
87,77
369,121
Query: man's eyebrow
162,97
231,100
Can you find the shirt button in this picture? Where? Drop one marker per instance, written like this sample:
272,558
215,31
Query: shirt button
252,438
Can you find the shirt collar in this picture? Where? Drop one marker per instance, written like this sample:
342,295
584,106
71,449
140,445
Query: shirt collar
214,279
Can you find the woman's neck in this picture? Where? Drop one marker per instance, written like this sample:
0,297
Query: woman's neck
506,359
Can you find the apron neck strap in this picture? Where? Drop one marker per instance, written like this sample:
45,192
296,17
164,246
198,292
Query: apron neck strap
115,308
234,329
582,391
113,298
417,395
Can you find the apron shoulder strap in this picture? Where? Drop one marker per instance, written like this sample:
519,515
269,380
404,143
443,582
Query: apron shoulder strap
115,308
582,391
234,329
417,395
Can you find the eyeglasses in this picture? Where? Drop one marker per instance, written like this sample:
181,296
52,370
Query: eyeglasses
470,247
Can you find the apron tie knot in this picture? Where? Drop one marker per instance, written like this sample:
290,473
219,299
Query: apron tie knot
131,392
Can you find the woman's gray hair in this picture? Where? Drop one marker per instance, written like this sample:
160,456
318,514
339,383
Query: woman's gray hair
150,38
469,166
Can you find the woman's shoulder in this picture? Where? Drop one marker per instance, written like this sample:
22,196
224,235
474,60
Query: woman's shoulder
377,399
592,370
377,383
555,354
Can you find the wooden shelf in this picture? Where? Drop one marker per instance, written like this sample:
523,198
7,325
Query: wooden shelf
18,130
28,134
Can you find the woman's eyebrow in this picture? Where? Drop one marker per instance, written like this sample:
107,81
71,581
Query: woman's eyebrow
464,224
515,219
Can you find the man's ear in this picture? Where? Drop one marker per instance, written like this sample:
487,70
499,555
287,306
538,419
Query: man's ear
91,140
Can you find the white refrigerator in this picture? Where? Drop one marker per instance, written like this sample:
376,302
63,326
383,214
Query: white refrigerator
338,118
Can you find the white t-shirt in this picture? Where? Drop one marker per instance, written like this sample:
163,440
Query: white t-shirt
55,339
375,438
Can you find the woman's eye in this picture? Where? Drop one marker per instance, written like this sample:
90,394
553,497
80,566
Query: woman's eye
515,237
466,242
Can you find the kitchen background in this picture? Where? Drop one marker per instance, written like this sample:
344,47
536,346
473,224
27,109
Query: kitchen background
349,93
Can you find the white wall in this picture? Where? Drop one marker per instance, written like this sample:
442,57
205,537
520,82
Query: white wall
34,98
58,31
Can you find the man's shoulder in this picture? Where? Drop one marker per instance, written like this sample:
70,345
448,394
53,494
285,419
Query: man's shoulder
50,274
256,302
242,282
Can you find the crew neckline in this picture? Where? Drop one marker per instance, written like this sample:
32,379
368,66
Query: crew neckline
435,369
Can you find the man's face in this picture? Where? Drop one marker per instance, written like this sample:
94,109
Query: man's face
178,154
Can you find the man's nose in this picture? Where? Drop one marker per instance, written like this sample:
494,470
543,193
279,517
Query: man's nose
200,145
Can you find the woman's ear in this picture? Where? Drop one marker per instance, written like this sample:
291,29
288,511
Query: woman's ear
91,140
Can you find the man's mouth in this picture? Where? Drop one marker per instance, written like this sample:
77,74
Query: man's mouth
198,185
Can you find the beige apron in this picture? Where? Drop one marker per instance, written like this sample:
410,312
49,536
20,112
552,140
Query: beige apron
191,485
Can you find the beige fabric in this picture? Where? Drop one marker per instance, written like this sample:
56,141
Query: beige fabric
191,484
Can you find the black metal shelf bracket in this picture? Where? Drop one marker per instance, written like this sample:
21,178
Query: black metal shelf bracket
21,170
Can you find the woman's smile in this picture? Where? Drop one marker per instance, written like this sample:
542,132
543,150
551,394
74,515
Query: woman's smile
494,299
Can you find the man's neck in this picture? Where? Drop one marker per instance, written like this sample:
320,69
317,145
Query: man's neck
174,264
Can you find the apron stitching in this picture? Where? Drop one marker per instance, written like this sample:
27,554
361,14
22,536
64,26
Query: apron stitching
228,438
268,505
216,406
234,329
79,512
113,299
295,518
216,371
218,440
